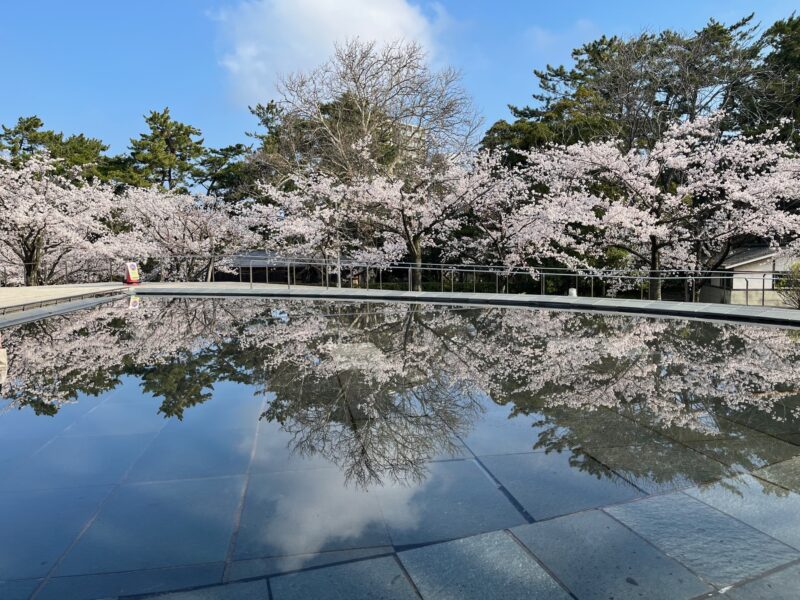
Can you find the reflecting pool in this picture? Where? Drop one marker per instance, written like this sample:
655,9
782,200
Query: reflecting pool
221,448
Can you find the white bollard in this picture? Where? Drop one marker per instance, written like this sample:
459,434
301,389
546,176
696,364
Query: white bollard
573,293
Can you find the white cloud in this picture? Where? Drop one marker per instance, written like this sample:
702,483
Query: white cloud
263,39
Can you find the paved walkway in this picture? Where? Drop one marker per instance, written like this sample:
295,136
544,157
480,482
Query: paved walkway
692,310
11,297
31,297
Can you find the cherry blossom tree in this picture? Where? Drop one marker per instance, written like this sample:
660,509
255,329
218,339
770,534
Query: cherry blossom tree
424,207
317,218
684,205
184,232
50,222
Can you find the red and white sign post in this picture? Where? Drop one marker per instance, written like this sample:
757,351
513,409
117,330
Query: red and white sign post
131,273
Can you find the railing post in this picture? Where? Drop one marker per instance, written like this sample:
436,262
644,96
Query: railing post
380,279
409,278
496,282
591,286
763,275
251,274
544,287
747,291
289,274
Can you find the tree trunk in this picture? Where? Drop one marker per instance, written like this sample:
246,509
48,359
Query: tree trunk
210,272
415,250
418,273
31,274
654,286
33,264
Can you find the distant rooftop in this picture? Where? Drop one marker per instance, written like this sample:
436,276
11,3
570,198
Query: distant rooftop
745,256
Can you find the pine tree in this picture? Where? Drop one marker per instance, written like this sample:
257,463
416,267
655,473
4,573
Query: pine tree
168,154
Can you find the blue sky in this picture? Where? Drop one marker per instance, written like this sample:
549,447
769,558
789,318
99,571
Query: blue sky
96,66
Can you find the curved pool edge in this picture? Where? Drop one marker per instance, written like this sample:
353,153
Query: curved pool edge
762,315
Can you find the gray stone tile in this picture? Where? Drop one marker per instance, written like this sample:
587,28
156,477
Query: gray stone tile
304,512
130,390
24,422
37,527
500,432
786,474
250,590
659,468
781,585
625,567
604,428
457,499
155,525
702,426
780,421
75,462
553,484
263,567
790,438
191,453
764,506
232,405
20,589
275,453
373,579
126,583
712,544
118,419
16,449
491,565
755,451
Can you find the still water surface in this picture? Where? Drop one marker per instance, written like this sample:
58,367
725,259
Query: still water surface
274,449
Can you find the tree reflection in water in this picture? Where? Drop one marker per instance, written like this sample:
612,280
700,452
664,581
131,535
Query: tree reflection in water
380,390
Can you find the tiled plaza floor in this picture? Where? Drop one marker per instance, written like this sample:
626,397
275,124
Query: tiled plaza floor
116,501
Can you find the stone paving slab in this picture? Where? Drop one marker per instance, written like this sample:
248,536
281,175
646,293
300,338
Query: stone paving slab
786,474
264,567
38,526
126,583
781,585
599,558
193,524
377,578
714,545
251,590
491,565
761,505
548,485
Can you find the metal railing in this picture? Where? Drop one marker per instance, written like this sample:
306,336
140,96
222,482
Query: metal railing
743,287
